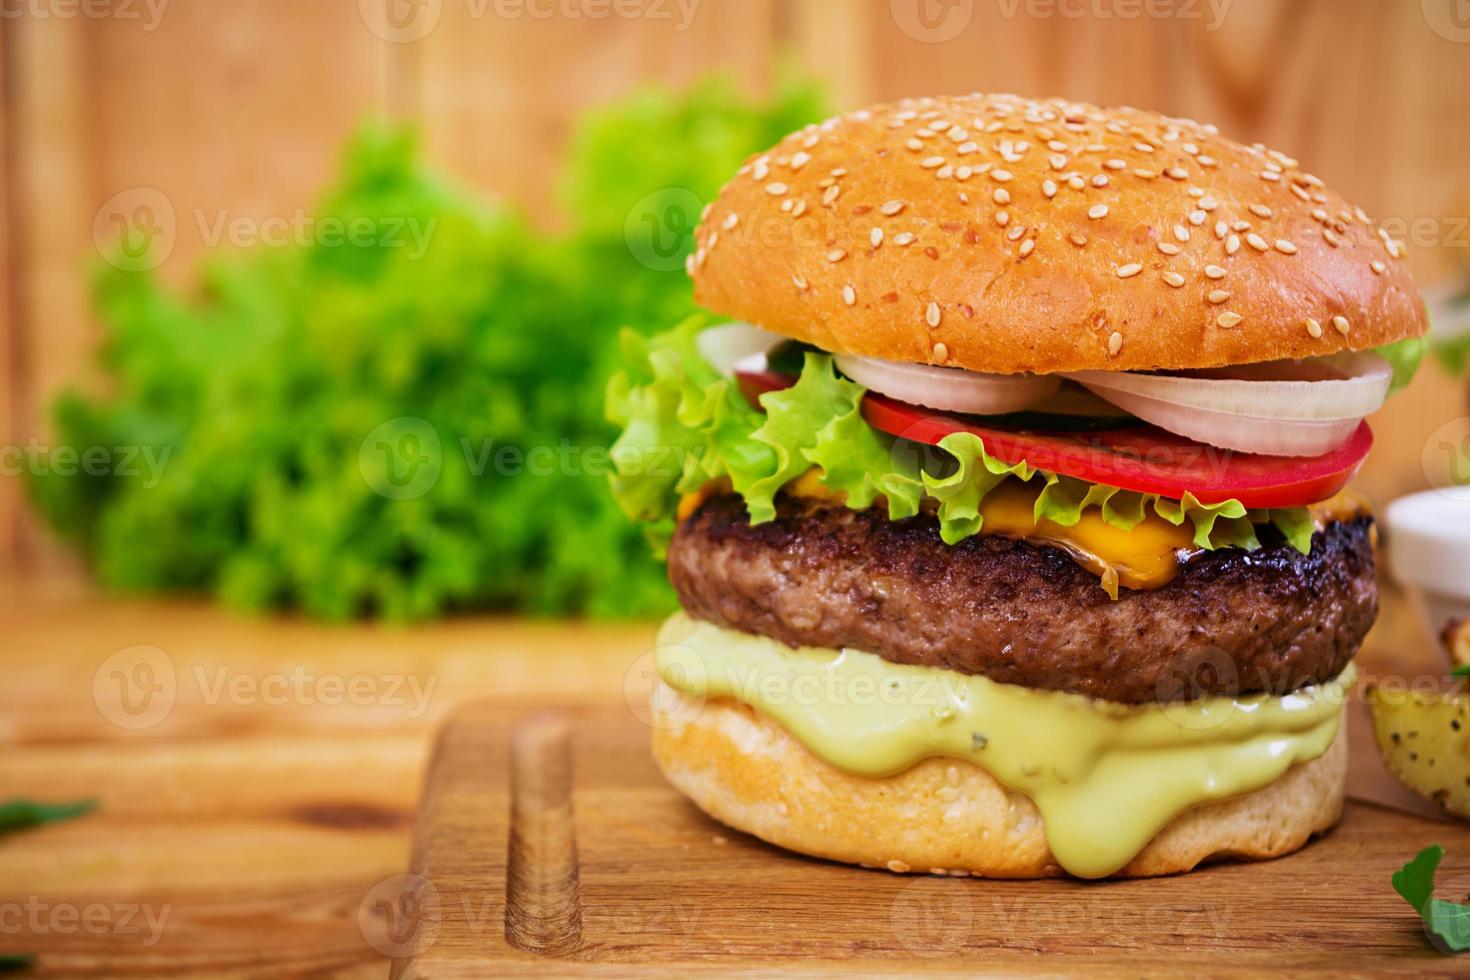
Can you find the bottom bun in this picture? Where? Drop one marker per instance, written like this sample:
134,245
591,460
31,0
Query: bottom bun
949,816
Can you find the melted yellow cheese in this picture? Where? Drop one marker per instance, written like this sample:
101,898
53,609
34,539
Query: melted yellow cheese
1106,777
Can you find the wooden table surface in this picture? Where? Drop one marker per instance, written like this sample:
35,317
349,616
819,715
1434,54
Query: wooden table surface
257,779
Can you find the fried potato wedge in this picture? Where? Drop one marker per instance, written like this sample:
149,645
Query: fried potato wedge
1425,741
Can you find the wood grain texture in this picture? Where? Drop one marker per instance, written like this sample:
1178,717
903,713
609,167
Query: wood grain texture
274,833
665,887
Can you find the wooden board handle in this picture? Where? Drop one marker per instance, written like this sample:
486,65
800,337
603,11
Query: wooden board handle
543,893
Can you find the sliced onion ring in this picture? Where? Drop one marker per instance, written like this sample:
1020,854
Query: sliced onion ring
729,344
1266,416
949,389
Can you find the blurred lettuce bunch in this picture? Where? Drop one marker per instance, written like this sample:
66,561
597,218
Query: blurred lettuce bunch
413,424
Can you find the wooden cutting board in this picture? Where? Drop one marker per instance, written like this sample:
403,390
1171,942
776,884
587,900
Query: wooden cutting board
551,843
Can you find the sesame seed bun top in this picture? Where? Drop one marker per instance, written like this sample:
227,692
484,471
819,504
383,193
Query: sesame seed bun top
1004,234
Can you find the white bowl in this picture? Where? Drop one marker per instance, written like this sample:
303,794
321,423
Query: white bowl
1428,542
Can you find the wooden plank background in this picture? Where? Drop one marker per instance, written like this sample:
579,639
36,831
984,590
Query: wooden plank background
243,105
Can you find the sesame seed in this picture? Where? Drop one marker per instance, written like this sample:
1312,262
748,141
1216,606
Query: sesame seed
1330,238
1177,173
849,295
1377,266
1001,196
945,172
1168,248
800,159
965,149
929,163
1145,174
761,169
941,354
1285,247
1260,210
1076,182
963,173
1173,278
914,144
1214,272
776,188
1115,164
1129,270
1002,218
876,237
837,255
1314,328
1232,245
1115,343
1218,296
1000,175
1016,232
1181,233
1049,188
931,315
831,194
891,208
1097,211
1058,162
732,220
1197,218
1228,319
1256,242
1208,203
1270,175
1340,323
1028,245
904,238
799,209
1077,238
799,281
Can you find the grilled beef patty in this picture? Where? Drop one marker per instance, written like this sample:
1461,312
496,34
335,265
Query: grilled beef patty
1230,622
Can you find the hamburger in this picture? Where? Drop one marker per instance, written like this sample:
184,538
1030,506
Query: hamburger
1009,519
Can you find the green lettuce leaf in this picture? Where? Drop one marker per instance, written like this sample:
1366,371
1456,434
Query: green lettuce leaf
685,425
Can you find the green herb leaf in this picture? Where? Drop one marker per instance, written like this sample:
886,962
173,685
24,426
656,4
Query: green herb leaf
1446,923
25,814
17,961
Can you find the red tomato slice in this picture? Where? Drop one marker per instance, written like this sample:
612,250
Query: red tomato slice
1144,458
